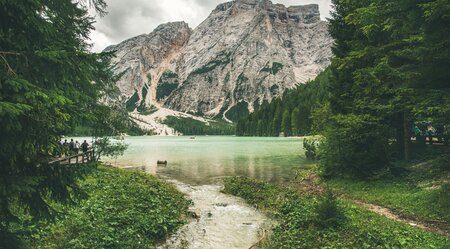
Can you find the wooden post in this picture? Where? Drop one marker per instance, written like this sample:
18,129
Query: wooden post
406,135
430,139
76,160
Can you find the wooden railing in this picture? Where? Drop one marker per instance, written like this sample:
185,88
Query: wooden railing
433,139
79,158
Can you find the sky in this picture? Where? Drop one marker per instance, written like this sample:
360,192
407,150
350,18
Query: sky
129,18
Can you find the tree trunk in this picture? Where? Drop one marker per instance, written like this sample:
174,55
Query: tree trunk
406,135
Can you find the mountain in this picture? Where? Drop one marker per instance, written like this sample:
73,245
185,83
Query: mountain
246,52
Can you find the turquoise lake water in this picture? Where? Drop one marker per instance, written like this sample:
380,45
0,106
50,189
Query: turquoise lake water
206,159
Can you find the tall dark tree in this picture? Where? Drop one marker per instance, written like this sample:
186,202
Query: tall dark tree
49,82
383,75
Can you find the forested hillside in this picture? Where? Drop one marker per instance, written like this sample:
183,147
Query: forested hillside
290,114
389,71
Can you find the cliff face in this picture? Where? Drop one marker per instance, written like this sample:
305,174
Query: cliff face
245,52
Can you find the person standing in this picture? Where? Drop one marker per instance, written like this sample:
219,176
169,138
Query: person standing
84,148
71,146
76,147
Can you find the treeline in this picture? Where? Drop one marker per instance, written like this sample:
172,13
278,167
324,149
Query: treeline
390,69
289,115
189,126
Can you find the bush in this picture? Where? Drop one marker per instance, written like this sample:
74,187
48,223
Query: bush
327,209
310,146
354,146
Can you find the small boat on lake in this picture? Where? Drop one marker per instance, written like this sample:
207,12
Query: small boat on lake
160,162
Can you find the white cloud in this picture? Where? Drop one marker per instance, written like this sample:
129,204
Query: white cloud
129,18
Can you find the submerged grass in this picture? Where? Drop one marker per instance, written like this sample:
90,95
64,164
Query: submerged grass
124,209
300,220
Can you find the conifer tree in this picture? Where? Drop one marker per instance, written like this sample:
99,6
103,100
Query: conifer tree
49,83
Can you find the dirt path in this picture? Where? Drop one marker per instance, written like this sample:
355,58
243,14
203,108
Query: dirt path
313,184
431,227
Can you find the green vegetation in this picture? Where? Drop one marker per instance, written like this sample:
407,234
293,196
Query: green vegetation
50,83
123,209
419,191
239,110
290,115
189,126
168,82
306,220
222,58
132,102
276,67
389,71
142,107
148,110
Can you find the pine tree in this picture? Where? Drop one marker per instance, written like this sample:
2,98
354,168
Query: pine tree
295,121
286,123
49,83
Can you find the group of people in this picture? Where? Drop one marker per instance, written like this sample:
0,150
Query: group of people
73,147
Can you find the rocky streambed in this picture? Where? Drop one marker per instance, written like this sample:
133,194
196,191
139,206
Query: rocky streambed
218,220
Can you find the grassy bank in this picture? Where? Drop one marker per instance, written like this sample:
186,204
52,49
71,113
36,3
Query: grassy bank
320,220
421,190
123,209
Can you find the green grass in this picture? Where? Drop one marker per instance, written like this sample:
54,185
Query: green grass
418,192
299,224
403,197
124,209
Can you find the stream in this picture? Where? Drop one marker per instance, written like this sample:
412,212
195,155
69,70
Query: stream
196,167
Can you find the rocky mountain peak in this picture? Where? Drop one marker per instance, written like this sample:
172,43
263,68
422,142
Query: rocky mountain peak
246,52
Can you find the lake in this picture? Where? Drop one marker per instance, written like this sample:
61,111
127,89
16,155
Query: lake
206,159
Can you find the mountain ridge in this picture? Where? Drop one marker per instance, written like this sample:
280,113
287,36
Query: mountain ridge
244,53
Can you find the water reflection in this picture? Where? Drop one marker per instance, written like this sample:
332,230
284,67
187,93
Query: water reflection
205,159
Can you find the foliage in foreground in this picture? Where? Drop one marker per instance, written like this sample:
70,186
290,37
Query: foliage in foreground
49,82
124,209
300,221
420,190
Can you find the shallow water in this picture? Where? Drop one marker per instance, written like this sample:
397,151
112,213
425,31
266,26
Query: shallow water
206,159
222,221
196,167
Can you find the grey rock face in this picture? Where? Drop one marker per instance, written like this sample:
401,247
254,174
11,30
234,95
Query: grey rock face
143,59
245,52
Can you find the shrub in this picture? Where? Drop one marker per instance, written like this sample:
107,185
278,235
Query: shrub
310,146
327,209
354,146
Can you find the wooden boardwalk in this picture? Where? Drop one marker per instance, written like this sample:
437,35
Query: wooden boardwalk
433,139
79,158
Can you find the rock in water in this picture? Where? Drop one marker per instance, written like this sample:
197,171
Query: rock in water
244,53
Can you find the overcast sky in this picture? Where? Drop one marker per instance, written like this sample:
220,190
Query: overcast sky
128,18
